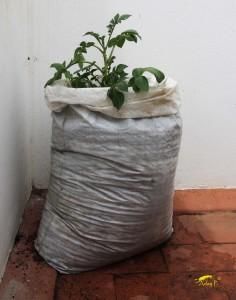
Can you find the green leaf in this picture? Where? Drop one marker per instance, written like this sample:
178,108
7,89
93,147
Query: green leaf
124,17
142,83
122,86
115,20
135,88
68,75
131,81
76,82
79,52
58,67
83,44
49,82
131,35
137,72
131,38
89,44
116,97
157,73
117,41
93,34
56,76
121,67
133,85
79,59
120,41
112,42
131,32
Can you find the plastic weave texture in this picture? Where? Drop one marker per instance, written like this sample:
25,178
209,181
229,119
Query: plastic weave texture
111,188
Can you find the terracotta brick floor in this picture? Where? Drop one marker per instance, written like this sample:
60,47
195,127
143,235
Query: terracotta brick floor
204,243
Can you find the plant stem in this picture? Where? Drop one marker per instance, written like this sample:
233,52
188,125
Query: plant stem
107,64
99,49
84,62
111,53
93,63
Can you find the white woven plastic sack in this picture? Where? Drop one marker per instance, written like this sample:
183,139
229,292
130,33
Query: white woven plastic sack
112,179
161,99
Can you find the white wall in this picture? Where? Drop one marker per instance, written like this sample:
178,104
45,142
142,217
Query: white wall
15,120
192,41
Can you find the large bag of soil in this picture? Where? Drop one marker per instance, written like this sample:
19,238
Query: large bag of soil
112,176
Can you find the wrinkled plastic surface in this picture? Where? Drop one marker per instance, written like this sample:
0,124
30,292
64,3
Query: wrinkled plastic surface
111,188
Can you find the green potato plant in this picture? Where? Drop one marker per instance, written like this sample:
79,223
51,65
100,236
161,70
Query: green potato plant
89,74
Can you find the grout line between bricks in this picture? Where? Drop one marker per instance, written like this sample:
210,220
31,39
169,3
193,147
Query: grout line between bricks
201,243
202,212
138,273
114,284
165,260
55,288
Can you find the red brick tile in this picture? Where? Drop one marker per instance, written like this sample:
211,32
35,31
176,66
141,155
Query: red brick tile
142,287
184,286
225,199
185,231
177,286
219,227
28,280
192,201
27,277
85,286
227,283
150,261
218,257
